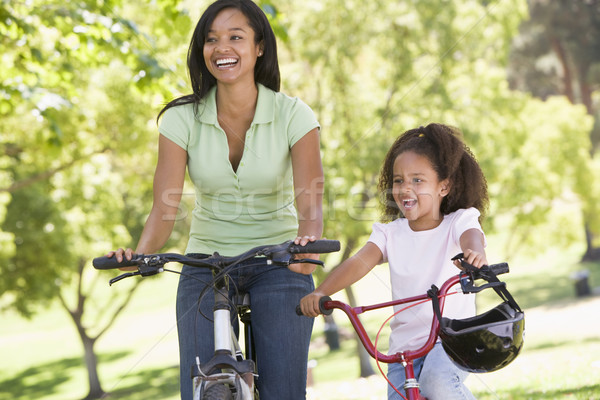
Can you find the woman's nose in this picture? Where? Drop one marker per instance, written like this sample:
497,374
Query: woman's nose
222,48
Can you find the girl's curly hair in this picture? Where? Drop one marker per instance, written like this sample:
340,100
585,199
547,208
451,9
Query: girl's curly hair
450,158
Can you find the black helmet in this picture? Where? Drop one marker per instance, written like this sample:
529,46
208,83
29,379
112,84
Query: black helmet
485,342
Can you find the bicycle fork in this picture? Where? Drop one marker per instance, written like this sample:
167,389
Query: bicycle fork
227,366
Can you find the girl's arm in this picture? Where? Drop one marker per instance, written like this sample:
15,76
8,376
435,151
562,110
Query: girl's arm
347,273
473,247
167,190
308,190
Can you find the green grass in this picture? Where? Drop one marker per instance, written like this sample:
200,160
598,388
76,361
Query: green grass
42,358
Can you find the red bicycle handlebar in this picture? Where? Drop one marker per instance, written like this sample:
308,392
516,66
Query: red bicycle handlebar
409,355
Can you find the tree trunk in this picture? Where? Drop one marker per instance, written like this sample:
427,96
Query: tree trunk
91,363
332,334
591,253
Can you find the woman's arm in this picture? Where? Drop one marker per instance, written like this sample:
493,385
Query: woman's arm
308,190
348,272
168,187
473,247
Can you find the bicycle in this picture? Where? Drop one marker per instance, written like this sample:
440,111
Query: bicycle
230,373
469,343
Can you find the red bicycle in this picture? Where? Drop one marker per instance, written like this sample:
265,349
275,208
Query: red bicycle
482,343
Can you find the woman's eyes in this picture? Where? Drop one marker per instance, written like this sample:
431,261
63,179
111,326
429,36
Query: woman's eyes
212,39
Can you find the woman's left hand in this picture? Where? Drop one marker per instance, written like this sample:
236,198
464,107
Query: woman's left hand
304,268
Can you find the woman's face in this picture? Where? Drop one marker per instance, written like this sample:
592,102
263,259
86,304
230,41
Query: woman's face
230,51
417,190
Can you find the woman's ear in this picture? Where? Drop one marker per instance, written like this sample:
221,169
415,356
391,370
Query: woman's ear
261,48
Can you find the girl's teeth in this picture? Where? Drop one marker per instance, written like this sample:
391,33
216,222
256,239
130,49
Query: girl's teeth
409,203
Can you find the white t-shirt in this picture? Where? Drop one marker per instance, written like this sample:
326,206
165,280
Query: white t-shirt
417,260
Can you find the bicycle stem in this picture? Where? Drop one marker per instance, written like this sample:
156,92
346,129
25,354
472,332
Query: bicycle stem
222,317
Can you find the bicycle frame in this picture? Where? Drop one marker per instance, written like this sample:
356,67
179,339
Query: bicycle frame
406,358
465,278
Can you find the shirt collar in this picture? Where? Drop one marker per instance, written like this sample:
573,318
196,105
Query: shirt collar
265,106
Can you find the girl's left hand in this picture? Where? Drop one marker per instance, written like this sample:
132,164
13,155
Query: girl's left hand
304,268
473,257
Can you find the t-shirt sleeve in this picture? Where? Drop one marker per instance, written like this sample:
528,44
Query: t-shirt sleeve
301,121
465,220
379,238
174,125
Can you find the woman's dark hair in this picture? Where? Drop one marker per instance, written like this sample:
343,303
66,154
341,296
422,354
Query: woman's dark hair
451,159
266,70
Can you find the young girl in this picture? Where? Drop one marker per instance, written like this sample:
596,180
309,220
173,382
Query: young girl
434,193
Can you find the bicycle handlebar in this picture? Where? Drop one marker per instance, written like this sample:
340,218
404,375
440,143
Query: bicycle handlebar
497,269
274,252
327,305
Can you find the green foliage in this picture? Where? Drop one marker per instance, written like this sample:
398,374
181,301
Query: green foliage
80,88
373,70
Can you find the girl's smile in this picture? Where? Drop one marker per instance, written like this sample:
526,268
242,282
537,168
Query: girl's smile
417,190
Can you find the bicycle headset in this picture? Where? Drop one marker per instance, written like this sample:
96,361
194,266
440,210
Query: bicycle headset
486,342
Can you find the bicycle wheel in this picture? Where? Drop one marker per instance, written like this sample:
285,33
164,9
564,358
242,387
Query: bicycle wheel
218,391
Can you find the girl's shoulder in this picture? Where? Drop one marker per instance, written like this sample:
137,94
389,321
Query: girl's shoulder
463,214
397,225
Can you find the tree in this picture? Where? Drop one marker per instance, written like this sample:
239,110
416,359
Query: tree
80,88
558,53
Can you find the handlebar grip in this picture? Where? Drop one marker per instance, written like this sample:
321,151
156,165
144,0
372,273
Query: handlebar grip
318,246
324,311
112,263
500,268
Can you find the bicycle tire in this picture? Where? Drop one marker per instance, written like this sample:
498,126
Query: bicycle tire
218,391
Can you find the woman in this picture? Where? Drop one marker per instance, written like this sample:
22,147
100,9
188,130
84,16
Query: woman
252,153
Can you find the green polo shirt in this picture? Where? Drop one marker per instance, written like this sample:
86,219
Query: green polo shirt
237,210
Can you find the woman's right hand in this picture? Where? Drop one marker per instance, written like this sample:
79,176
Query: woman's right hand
121,254
310,304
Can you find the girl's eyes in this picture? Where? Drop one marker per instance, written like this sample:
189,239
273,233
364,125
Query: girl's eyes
399,181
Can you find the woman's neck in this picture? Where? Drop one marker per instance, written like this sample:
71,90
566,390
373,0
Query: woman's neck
236,100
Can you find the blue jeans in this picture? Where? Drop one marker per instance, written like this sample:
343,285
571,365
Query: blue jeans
281,337
438,377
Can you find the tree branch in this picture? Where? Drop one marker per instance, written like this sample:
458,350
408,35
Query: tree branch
119,310
47,174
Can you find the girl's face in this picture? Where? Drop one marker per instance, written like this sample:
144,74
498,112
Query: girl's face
230,51
417,190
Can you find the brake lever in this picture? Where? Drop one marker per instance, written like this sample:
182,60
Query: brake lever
123,276
288,259
307,261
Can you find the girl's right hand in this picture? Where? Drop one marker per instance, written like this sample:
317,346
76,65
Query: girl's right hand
121,254
310,304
